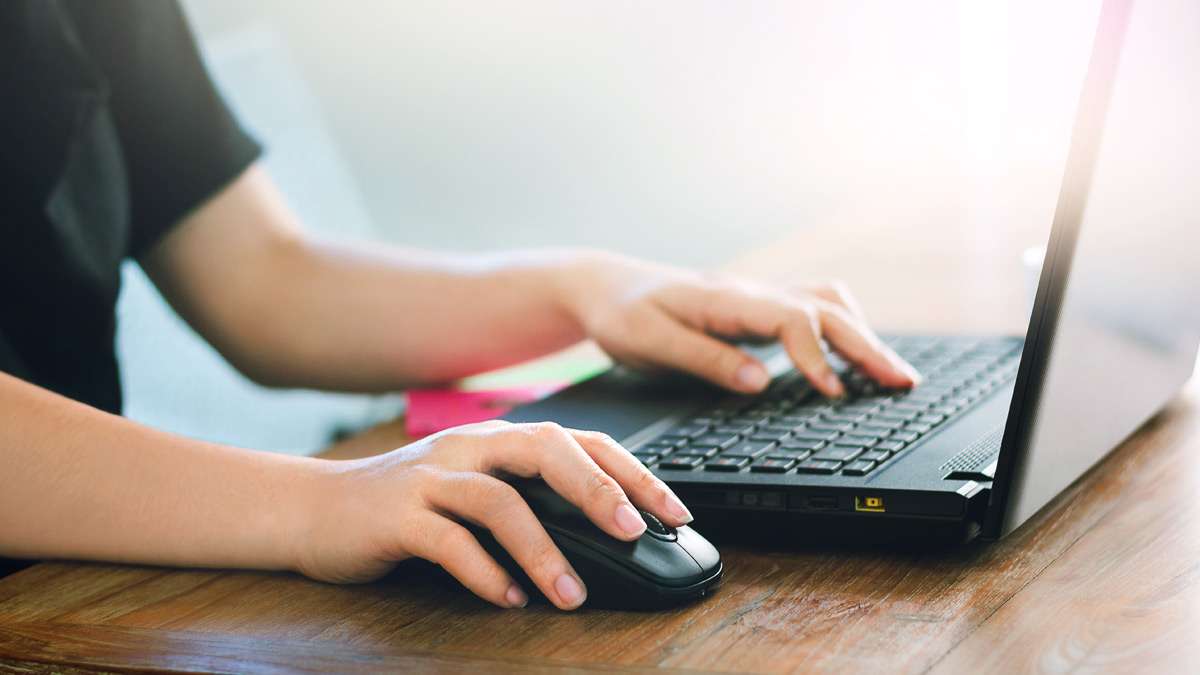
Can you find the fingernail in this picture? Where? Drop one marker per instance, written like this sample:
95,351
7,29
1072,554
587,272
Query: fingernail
904,367
751,377
676,508
913,374
834,385
515,597
629,521
569,590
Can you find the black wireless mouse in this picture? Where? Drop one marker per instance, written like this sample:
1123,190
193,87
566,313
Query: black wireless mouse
667,566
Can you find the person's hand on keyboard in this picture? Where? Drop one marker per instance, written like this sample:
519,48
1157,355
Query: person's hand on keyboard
370,513
647,315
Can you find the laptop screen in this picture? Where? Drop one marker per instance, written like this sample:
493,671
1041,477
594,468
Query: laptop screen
1116,322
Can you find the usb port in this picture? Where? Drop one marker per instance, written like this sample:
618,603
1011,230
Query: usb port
823,503
870,504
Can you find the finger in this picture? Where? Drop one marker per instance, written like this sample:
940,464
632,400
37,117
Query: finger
800,334
751,310
859,345
836,292
667,342
450,545
643,487
496,505
546,449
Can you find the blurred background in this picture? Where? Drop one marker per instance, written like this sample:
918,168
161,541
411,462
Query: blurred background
681,131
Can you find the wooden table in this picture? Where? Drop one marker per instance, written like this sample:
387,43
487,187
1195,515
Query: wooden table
1106,578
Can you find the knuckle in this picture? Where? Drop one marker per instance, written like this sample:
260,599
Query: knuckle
806,316
840,288
453,544
599,485
504,501
600,438
425,475
730,360
549,431
538,431
544,560
834,309
647,481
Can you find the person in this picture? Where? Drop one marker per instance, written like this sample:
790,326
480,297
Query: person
117,146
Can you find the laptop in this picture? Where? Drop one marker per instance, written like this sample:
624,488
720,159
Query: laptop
1002,424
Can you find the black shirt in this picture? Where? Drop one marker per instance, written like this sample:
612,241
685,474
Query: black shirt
110,132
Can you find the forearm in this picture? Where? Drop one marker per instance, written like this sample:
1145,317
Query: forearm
78,483
289,311
361,319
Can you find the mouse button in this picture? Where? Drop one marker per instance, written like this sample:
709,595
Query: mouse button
661,562
700,549
664,563
656,528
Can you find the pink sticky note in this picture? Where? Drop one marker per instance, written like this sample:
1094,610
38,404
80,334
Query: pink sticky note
432,410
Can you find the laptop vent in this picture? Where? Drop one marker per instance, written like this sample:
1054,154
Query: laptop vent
978,454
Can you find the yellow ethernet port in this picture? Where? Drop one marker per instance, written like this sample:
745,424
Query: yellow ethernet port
872,504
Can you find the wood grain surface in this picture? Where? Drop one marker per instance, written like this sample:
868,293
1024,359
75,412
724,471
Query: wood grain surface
1106,578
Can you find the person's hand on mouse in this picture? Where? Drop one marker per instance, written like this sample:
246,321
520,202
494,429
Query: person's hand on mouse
647,315
370,513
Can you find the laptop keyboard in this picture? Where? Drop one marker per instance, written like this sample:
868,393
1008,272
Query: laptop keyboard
791,428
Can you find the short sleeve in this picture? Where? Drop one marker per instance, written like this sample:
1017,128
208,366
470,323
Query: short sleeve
179,141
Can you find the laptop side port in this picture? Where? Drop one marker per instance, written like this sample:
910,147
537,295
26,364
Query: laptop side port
822,502
869,504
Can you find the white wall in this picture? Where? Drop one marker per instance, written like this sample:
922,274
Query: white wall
681,130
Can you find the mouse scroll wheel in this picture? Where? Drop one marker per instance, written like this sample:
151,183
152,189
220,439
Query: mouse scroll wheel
655,526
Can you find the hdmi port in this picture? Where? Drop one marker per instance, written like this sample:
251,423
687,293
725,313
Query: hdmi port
823,503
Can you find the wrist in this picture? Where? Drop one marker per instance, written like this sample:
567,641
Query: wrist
306,490
579,280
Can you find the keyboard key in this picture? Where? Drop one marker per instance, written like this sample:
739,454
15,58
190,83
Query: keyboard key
801,444
818,466
748,450
918,428
858,468
726,463
704,451
839,453
811,410
874,455
864,407
822,436
734,429
932,420
904,436
714,440
858,439
658,446
688,430
770,436
889,446
879,427
678,463
646,458
843,418
830,427
783,453
772,465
